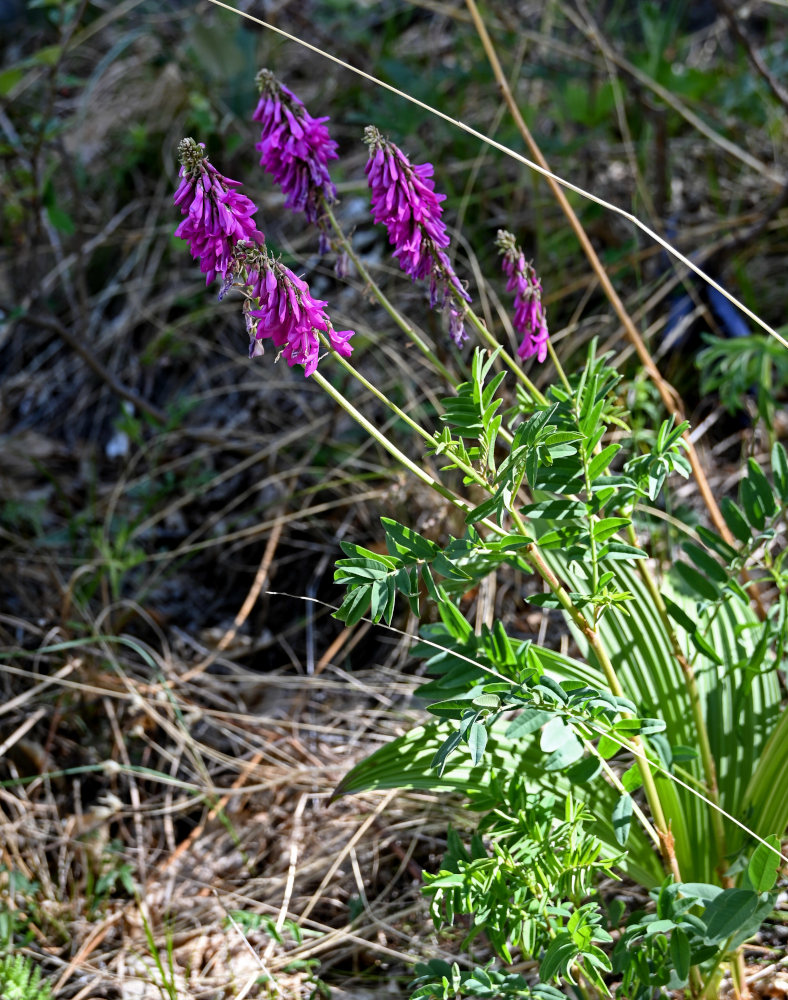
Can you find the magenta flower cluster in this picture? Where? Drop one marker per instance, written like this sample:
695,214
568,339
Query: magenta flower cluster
404,200
286,313
217,215
295,148
530,319
222,234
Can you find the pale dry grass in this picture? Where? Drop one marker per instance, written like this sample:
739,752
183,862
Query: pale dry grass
215,792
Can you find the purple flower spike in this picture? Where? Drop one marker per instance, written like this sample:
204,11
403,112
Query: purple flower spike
529,315
217,216
295,148
404,199
282,309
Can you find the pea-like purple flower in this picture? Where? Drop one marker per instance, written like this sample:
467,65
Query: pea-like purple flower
217,215
295,148
281,308
529,314
404,200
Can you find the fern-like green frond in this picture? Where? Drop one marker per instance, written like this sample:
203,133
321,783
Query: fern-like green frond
20,979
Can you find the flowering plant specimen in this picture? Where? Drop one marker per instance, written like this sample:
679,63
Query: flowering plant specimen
217,215
530,319
404,200
295,148
552,498
281,308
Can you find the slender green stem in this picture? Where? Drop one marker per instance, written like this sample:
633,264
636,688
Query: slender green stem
590,517
394,313
390,447
535,559
466,469
558,367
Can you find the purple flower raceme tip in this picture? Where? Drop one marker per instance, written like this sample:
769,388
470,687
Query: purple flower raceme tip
529,315
217,215
295,148
281,308
404,200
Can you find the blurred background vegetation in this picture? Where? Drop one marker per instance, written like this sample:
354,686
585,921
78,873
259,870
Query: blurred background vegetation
166,505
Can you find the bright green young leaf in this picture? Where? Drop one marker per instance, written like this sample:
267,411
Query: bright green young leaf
607,747
764,865
632,779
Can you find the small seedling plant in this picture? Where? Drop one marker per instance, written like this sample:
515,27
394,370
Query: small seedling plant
656,751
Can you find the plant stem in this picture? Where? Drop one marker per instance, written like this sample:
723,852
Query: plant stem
558,367
467,470
390,447
535,559
394,313
590,517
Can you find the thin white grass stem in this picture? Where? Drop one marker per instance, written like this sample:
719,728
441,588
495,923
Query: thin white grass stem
609,206
615,781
